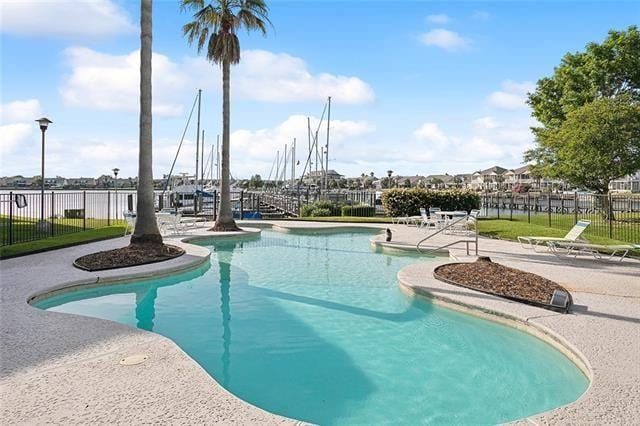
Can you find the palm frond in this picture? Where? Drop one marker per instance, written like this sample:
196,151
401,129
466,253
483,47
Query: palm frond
191,5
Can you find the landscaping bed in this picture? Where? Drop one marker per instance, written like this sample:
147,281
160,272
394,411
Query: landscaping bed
131,255
499,280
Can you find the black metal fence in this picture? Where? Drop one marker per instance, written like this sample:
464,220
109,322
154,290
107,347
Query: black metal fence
29,216
614,216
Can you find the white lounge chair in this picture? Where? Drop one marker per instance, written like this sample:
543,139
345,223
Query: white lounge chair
612,251
572,236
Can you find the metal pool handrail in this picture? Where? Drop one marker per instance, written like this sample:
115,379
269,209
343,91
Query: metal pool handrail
467,241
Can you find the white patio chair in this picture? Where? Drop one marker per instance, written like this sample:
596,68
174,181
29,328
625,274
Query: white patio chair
130,218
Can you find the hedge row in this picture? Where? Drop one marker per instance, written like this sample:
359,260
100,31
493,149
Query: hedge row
401,202
359,210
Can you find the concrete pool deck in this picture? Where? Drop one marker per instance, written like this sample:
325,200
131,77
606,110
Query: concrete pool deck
64,368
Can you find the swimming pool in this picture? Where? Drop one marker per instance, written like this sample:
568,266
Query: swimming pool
314,327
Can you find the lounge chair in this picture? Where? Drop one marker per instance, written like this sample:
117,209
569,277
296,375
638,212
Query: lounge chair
572,236
427,221
611,251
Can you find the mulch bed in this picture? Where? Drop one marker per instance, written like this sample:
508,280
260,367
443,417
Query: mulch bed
131,255
492,278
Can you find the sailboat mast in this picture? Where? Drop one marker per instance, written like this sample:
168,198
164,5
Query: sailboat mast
326,163
293,162
284,166
202,179
198,138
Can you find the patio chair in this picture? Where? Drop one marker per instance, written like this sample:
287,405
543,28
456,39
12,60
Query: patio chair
130,218
427,220
572,236
611,251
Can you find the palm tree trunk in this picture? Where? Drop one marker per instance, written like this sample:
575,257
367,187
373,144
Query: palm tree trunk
146,229
224,221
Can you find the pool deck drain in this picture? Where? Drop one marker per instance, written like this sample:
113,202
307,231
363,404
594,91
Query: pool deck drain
64,368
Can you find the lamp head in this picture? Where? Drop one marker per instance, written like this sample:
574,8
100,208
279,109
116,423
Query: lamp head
44,123
115,171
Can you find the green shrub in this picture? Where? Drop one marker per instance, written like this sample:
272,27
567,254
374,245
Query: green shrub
306,210
401,202
360,210
322,212
320,208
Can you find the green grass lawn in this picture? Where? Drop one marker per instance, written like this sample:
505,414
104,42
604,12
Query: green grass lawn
510,230
24,229
61,241
625,227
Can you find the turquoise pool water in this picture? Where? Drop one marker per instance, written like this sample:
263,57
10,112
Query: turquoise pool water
314,327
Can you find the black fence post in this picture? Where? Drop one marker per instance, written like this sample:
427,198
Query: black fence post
215,204
241,204
575,207
53,215
610,216
528,207
84,210
511,208
108,208
10,217
498,203
549,208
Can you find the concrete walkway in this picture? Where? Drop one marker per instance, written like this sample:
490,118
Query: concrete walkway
64,368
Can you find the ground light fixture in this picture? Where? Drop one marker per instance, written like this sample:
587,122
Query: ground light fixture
42,225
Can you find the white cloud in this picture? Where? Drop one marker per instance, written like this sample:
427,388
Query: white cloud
18,126
27,110
445,39
430,132
279,77
110,82
485,123
490,141
512,96
95,18
440,18
13,135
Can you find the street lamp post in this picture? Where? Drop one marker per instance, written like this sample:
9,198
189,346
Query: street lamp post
115,188
389,173
42,225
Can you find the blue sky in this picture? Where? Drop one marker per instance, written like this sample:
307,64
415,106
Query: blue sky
418,87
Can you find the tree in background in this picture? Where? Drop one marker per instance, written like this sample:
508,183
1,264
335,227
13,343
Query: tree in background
215,25
589,114
256,181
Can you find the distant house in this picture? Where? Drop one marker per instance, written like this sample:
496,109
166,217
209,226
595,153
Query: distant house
81,182
315,178
489,179
17,181
627,183
57,182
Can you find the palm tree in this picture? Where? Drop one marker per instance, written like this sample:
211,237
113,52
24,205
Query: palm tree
146,230
216,24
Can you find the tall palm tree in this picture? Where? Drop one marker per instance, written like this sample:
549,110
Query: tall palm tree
146,230
216,25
